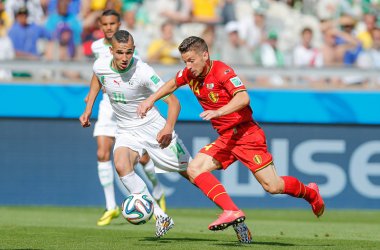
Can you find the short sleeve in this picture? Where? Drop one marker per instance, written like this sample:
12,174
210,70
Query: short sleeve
230,80
181,77
151,80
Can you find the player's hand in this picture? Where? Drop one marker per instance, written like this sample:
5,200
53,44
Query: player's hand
85,119
210,114
164,137
144,107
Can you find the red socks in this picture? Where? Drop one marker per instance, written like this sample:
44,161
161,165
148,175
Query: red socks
215,191
295,188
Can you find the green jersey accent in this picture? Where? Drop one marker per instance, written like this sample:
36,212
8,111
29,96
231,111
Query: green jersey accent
155,79
119,97
236,81
177,149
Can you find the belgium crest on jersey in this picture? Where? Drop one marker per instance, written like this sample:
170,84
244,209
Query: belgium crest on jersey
214,97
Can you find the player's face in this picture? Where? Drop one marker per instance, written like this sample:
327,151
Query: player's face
196,62
109,25
122,53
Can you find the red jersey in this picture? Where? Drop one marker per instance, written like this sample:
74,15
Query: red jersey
214,91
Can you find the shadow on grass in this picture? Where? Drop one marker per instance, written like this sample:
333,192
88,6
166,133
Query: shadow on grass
170,240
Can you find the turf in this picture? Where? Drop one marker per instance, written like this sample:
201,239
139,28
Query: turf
74,228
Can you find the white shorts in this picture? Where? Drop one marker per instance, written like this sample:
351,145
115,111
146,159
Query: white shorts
106,123
173,158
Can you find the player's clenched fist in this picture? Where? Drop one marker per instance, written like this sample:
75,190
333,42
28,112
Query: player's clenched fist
85,119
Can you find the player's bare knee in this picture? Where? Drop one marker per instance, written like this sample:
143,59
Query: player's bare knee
271,187
103,155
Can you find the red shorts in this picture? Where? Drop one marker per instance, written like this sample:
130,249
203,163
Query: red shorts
245,143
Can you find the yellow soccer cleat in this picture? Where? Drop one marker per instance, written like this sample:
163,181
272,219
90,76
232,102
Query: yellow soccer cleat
162,202
108,216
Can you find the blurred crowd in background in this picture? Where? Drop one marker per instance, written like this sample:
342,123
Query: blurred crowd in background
265,33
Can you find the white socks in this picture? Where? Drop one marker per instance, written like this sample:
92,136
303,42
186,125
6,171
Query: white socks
135,184
158,191
105,172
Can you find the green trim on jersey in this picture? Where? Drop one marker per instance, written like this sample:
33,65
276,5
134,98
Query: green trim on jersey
124,70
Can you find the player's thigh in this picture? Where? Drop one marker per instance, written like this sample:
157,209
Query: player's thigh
125,159
174,158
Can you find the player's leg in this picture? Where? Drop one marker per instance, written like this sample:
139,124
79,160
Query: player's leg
125,161
290,185
199,171
157,192
106,177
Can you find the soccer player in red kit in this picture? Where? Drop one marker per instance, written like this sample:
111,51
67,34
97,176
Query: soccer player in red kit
225,101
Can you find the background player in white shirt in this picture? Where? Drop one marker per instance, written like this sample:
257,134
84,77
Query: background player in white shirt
105,130
128,81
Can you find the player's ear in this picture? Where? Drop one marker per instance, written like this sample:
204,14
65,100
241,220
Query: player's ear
205,55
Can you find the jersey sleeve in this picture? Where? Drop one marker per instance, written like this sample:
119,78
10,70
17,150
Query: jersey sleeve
96,69
181,77
230,80
151,80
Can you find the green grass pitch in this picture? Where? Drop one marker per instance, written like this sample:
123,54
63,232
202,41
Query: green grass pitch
74,228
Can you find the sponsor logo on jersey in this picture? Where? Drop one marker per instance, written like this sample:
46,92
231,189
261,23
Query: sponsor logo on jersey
236,81
210,85
214,97
155,79
227,71
257,159
116,82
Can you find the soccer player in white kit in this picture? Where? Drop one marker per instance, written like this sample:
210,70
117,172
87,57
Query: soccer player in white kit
105,130
128,81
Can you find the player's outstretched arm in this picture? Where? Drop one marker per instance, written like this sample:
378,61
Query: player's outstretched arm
239,101
146,105
95,87
164,137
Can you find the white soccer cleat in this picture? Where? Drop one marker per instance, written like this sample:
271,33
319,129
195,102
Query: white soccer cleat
163,225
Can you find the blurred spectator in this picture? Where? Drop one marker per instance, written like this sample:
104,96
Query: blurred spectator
305,54
210,37
73,9
141,34
177,11
351,46
228,12
35,11
6,52
205,11
91,10
268,55
62,18
233,49
25,36
5,19
164,49
370,59
252,29
365,36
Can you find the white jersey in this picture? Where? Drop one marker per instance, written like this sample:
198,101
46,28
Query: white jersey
101,49
127,89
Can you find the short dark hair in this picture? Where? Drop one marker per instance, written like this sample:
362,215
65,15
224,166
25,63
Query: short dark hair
306,29
122,36
112,13
193,43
